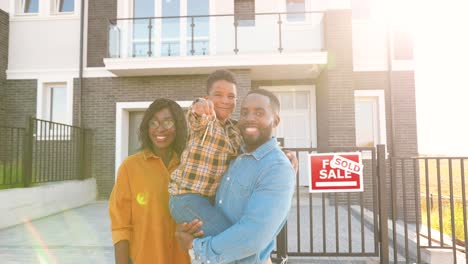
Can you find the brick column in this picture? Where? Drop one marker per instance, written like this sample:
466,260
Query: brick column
335,93
4,31
404,114
98,14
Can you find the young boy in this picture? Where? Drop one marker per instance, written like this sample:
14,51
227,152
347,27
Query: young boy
213,141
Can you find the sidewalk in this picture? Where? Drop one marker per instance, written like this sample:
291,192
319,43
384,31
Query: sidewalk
81,235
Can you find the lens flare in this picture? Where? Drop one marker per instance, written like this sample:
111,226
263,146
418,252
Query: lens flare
43,253
142,198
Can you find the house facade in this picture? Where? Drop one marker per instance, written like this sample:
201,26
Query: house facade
343,76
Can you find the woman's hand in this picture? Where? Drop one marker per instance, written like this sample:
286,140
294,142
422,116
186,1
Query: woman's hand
187,232
121,252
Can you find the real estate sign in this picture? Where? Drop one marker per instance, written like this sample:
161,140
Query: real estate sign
335,172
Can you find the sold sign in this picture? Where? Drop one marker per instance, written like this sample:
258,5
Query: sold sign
336,172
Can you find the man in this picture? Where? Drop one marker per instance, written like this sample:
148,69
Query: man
255,192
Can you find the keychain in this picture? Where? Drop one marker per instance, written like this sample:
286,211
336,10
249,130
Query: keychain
209,126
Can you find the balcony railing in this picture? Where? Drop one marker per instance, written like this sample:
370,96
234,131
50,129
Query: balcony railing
204,35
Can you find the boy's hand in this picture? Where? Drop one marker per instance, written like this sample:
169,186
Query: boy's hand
293,159
202,107
187,232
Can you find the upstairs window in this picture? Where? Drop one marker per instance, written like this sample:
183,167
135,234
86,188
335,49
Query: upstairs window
64,6
27,6
293,6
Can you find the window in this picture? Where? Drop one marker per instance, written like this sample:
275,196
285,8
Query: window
369,106
56,107
295,6
141,46
64,6
27,6
201,31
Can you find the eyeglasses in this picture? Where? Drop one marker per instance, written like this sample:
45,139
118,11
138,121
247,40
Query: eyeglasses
166,124
220,97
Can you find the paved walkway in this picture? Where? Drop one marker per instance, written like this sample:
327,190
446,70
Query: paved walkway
80,235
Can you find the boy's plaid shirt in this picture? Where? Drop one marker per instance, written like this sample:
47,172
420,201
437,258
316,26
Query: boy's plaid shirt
202,165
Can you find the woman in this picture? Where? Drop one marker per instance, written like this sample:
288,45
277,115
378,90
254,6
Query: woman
142,228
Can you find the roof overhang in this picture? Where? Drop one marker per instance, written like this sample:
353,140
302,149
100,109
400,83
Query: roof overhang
262,66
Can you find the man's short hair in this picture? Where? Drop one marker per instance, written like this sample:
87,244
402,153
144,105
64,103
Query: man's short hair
274,102
219,75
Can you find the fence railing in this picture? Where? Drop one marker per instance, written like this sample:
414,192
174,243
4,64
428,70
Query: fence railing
432,192
223,34
42,152
11,152
409,205
324,225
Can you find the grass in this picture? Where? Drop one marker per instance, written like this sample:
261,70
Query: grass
446,218
11,175
433,187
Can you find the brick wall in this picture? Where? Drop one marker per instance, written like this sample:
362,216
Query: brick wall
402,98
4,31
401,132
19,101
338,100
99,100
244,10
98,14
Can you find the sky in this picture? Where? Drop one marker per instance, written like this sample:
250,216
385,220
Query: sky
441,72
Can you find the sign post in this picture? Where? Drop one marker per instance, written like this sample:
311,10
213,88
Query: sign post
335,172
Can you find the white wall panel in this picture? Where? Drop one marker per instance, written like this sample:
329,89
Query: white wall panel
44,44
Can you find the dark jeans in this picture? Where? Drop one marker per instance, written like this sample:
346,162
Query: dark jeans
187,207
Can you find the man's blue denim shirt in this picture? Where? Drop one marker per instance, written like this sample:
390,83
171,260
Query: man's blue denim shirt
255,194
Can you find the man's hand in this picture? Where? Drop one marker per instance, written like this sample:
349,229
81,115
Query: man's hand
293,159
203,107
187,232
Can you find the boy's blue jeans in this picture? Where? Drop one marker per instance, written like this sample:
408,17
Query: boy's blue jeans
187,207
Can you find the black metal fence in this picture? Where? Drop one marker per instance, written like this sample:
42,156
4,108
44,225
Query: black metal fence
333,224
11,152
42,152
409,205
433,214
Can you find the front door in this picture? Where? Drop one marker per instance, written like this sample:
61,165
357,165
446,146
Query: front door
134,120
298,121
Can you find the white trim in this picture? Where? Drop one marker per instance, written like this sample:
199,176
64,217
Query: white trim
131,66
24,18
94,72
41,73
380,94
312,106
122,126
89,72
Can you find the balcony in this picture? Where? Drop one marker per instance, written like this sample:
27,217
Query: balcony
262,42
